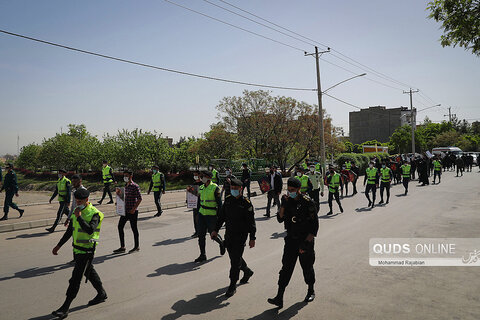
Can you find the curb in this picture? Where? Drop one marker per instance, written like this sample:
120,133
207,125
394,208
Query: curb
109,214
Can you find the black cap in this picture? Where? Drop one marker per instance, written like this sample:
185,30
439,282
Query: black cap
294,182
207,174
155,167
236,182
76,177
81,194
9,165
244,164
62,170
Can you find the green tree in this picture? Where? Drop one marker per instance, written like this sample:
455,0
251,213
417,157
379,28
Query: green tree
460,21
447,139
29,157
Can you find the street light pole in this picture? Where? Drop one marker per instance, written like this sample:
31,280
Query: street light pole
412,121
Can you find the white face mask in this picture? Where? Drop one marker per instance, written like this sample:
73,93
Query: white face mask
204,180
195,177
60,176
312,169
299,174
370,165
227,173
126,179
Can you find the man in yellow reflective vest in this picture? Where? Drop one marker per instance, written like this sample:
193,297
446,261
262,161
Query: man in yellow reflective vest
371,178
63,190
84,227
406,175
107,178
334,182
348,165
209,204
157,184
214,174
305,181
437,170
386,175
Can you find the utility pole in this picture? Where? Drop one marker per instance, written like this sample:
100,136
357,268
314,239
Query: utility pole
18,144
449,114
317,55
412,121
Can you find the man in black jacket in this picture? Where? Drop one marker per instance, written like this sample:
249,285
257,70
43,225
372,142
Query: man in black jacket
276,185
246,178
11,188
239,218
299,214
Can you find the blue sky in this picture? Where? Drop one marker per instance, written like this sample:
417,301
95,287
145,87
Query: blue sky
43,88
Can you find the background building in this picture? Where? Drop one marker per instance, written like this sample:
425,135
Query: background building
377,123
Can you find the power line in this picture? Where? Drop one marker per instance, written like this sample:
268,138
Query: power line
379,74
154,67
234,26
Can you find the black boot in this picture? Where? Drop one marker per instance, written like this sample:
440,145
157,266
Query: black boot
5,217
246,276
310,294
201,258
232,289
99,298
62,312
278,300
21,211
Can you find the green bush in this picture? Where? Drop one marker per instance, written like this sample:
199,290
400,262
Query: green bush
361,159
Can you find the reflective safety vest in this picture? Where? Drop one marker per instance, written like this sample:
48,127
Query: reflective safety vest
371,175
107,177
304,180
406,170
157,180
437,165
82,240
385,173
62,188
318,167
305,165
334,183
214,176
315,179
208,203
348,165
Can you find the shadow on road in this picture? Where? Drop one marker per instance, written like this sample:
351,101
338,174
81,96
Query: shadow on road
401,195
178,268
171,241
325,216
277,235
274,313
262,218
30,235
201,304
50,316
363,209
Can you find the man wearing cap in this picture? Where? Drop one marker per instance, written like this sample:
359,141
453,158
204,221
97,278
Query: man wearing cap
158,185
227,182
371,179
11,189
306,184
276,185
209,204
316,180
107,178
239,218
334,181
299,214
63,189
77,185
84,227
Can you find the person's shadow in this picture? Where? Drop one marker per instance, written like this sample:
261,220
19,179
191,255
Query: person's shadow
29,235
278,235
178,268
326,216
274,313
171,241
363,209
201,304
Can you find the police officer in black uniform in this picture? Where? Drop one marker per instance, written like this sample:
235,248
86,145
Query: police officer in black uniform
299,214
239,218
11,188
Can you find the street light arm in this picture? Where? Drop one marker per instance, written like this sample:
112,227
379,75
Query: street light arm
437,105
358,75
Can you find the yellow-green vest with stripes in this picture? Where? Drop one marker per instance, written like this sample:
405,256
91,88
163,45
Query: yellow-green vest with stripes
157,181
208,203
107,177
62,188
80,237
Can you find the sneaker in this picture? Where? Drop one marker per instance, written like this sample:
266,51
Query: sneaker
341,209
195,235
267,215
329,213
369,203
246,276
49,229
276,301
119,250
310,296
99,298
99,202
201,258
136,249
60,314
381,202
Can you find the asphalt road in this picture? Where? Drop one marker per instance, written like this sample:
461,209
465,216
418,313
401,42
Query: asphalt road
162,282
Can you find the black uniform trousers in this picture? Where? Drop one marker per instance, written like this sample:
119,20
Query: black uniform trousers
405,183
291,251
62,210
436,174
106,189
157,195
272,194
9,202
331,195
133,218
372,187
235,245
195,220
354,184
315,195
247,186
384,186
206,223
82,266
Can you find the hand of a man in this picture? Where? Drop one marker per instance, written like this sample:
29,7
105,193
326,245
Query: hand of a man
310,237
77,212
55,250
66,222
251,243
213,235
